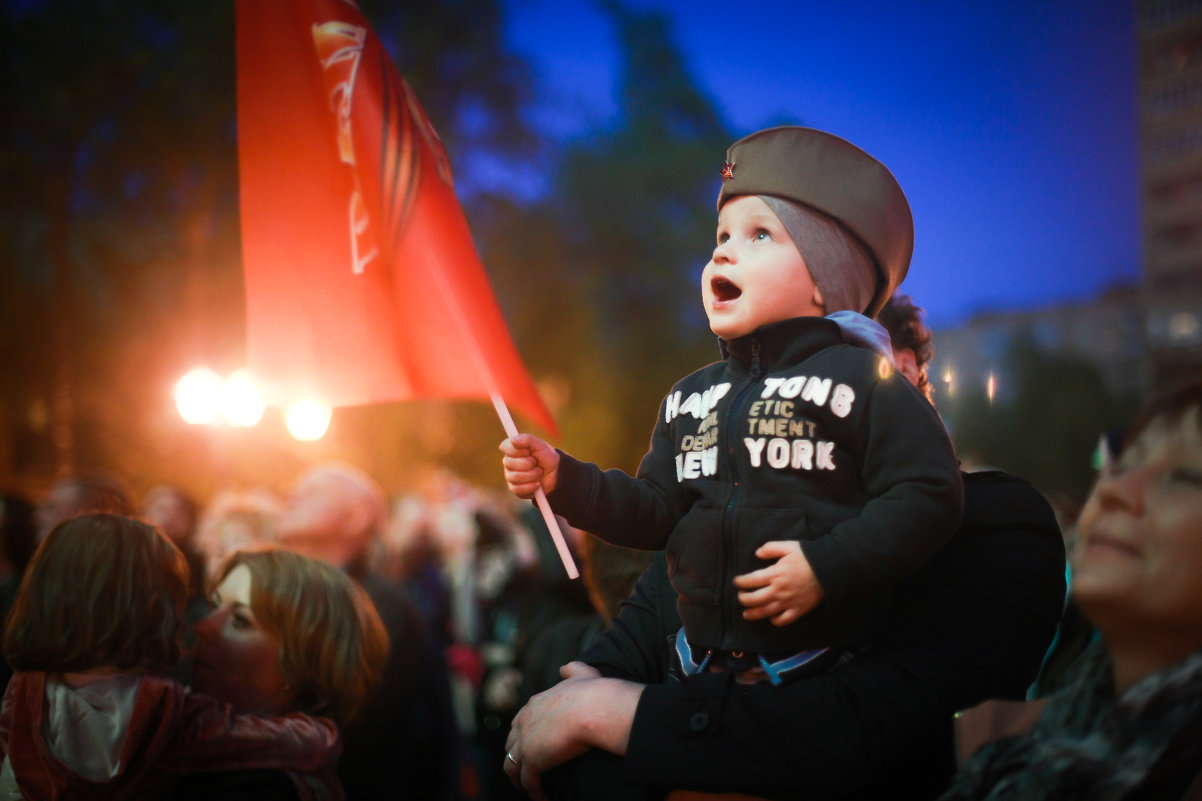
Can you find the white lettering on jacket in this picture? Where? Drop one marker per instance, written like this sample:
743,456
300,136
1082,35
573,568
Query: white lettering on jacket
798,454
812,389
778,435
699,404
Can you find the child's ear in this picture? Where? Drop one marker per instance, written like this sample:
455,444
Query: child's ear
818,301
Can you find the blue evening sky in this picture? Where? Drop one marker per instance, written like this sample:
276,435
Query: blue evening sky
1010,125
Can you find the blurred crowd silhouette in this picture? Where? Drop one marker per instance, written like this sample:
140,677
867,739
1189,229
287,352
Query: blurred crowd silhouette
466,581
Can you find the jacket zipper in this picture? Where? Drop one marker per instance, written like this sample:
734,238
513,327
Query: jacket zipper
728,536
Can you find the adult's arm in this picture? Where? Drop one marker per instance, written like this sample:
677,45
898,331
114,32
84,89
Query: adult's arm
579,717
826,736
974,624
570,738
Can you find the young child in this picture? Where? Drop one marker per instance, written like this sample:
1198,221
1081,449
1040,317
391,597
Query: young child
799,477
90,711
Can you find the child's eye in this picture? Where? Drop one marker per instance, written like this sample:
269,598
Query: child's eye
723,238
761,234
241,621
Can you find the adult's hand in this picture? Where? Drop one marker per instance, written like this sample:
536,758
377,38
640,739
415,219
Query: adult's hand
584,711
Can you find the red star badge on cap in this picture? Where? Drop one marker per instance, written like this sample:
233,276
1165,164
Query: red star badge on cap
728,171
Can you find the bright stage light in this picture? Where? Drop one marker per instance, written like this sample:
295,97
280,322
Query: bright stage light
308,420
198,396
241,403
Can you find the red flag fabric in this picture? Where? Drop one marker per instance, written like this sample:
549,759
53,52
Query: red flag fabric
362,281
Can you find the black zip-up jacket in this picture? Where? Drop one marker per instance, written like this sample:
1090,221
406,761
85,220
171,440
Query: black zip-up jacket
796,435
971,625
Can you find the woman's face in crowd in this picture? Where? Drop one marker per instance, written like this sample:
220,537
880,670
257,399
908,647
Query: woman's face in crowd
1138,557
235,659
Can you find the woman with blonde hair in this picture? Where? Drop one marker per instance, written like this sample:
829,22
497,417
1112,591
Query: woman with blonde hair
330,642
287,634
92,710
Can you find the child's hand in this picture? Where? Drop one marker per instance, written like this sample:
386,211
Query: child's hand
529,464
784,590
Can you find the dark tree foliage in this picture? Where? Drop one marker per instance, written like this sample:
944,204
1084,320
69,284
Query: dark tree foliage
1046,427
119,218
117,169
472,88
636,205
120,238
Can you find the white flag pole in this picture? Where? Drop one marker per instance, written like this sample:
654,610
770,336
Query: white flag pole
511,429
540,497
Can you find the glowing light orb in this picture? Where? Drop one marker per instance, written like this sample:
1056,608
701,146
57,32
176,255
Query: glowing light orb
308,420
241,403
198,396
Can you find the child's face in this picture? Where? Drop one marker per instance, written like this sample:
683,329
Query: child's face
757,275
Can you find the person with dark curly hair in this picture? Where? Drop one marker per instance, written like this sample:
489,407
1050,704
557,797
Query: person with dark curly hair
913,344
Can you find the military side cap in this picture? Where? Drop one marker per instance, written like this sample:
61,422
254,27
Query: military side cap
833,176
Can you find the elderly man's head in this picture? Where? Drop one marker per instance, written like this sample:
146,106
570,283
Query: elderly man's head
334,513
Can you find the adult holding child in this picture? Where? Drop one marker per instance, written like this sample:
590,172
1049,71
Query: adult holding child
970,623
798,481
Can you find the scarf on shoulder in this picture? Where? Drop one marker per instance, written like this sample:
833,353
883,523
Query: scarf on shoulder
1089,744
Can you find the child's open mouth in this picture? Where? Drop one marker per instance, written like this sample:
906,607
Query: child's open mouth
724,290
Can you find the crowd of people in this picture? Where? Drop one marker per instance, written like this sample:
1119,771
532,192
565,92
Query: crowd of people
324,643
814,594
336,641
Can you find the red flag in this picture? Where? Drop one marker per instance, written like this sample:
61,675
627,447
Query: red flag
362,281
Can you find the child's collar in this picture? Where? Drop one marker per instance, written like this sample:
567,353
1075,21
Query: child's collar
850,327
865,332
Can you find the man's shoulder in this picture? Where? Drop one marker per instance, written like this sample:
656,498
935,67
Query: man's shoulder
996,502
1008,532
988,489
376,585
